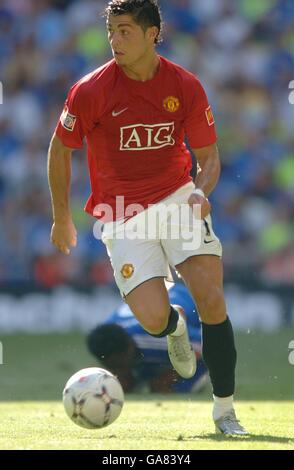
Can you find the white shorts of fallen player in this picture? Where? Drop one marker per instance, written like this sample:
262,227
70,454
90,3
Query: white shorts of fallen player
163,235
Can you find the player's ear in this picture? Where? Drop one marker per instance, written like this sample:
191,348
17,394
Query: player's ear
152,33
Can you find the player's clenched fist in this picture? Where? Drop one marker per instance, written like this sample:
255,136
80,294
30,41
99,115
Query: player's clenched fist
64,236
202,201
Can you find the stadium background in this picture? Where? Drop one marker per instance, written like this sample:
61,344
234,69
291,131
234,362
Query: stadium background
243,52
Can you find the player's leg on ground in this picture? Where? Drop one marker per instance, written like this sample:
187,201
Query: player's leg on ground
150,304
203,276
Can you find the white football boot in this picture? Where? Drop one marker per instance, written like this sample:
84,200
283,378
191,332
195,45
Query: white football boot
229,425
181,354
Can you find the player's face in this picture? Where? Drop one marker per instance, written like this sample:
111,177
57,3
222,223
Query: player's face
128,41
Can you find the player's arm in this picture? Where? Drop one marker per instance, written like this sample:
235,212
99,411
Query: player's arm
208,168
207,176
200,129
63,233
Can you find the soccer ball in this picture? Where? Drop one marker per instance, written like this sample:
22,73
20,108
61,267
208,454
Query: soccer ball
93,398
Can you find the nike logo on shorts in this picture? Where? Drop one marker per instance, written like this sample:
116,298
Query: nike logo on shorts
115,114
208,241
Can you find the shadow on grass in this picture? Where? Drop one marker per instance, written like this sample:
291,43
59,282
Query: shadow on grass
250,438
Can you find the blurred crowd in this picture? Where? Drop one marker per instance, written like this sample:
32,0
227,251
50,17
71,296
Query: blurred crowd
243,52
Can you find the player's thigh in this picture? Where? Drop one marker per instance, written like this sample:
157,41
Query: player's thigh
205,269
150,304
203,275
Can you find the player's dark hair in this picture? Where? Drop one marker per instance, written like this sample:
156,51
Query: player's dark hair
146,13
107,340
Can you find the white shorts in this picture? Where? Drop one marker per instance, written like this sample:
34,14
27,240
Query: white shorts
145,246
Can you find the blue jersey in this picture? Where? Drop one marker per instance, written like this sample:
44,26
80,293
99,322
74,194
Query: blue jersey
153,351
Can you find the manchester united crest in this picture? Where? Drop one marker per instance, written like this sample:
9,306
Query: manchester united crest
127,271
171,104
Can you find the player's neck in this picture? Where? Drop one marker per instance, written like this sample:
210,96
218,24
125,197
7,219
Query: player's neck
144,69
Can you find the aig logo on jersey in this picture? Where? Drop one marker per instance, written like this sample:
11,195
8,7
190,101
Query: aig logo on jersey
68,120
147,137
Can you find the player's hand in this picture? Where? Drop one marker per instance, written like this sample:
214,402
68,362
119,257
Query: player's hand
202,201
64,236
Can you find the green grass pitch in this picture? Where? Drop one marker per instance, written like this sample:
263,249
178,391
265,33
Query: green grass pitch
36,368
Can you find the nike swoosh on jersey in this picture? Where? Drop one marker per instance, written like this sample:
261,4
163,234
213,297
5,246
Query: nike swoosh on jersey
114,114
208,241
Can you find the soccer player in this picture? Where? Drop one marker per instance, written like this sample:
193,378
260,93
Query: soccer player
138,359
134,112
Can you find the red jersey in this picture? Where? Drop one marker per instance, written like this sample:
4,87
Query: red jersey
135,132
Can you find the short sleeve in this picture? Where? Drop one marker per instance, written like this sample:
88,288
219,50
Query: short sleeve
77,118
199,123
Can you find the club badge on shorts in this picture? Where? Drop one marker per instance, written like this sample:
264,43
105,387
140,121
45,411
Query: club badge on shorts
127,271
171,104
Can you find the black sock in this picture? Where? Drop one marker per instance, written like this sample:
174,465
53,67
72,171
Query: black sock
220,356
172,324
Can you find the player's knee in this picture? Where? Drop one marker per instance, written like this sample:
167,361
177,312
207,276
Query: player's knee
156,321
152,316
211,306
